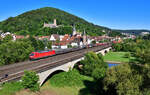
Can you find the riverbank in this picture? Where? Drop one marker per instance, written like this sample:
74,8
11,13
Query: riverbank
117,57
114,62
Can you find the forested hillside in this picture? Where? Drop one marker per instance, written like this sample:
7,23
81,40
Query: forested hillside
32,23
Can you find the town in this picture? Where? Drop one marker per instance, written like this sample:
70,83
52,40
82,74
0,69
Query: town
75,47
74,40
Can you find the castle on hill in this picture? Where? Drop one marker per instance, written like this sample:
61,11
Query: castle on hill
53,25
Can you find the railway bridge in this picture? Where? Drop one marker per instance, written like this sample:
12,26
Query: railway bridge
48,66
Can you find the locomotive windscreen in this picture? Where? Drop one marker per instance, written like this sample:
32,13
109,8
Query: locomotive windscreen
31,54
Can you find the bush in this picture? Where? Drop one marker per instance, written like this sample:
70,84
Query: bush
30,81
71,78
10,88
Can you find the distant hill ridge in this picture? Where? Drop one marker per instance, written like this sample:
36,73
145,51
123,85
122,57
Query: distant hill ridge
136,32
32,22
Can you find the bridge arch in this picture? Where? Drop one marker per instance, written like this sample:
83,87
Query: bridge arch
106,51
43,76
51,75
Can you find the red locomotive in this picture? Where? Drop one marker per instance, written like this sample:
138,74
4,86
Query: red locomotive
41,54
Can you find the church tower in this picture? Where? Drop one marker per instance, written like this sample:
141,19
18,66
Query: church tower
84,38
55,22
74,30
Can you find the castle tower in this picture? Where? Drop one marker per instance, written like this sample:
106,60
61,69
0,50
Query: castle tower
84,38
55,22
74,30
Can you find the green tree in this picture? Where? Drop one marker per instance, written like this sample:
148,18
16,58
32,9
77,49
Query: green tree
143,55
12,52
30,81
117,47
69,46
49,45
37,44
94,65
40,45
123,80
33,42
7,38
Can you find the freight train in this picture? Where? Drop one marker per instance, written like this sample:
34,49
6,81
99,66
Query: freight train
48,53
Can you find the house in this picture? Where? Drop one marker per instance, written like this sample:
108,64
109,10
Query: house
54,37
89,39
19,37
44,37
61,37
75,40
144,33
62,45
3,35
64,41
65,38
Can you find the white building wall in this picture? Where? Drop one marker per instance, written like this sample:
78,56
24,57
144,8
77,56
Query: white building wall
89,41
74,44
52,38
54,47
81,43
64,47
61,37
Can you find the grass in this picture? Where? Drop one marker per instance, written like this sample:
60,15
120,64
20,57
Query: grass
71,78
117,57
64,83
10,88
61,90
67,83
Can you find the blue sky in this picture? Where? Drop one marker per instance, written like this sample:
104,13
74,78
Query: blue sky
115,14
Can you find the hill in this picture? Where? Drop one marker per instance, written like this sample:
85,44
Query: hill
135,32
32,23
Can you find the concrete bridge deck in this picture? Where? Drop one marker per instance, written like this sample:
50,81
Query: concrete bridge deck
45,67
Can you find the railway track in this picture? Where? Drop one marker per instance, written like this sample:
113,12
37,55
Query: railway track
15,71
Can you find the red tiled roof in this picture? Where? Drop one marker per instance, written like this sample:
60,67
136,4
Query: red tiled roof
61,43
56,36
19,37
43,37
